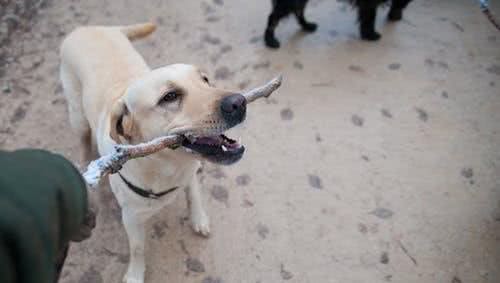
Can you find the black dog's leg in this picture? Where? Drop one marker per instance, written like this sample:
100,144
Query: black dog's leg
272,23
396,11
367,13
299,13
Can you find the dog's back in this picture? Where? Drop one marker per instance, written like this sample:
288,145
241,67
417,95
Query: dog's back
96,62
98,52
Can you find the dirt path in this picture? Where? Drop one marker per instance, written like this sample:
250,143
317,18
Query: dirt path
376,162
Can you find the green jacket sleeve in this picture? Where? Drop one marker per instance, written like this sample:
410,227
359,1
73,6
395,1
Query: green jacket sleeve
43,201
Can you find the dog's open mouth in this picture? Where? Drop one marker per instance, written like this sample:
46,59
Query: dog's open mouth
218,149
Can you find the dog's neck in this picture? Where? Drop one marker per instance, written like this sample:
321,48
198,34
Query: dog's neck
156,172
161,171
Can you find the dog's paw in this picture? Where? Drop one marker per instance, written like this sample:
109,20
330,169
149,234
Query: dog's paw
200,223
370,36
271,41
310,27
395,15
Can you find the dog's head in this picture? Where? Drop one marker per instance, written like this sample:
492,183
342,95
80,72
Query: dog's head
179,99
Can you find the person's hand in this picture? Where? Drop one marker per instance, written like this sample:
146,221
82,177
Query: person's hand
87,226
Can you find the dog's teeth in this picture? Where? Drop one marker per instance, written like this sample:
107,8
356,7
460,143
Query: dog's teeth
224,148
239,140
189,150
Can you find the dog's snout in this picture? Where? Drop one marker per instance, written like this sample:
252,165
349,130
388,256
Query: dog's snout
233,108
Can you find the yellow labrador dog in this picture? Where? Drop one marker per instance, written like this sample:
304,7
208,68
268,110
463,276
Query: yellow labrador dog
114,97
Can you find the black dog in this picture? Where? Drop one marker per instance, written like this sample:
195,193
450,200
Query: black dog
367,13
281,9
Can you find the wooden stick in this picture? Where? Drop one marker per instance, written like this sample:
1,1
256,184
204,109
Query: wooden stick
485,8
113,162
263,91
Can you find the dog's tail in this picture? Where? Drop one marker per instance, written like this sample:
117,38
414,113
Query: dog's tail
138,30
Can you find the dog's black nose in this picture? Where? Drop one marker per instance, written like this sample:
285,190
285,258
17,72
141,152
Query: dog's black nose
233,109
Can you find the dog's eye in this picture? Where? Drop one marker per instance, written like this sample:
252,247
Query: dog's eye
206,79
170,96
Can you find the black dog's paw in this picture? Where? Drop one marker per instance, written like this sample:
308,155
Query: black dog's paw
310,27
271,41
395,15
370,36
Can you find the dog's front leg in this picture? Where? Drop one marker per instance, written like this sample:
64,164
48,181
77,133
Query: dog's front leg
276,15
396,11
299,14
199,219
136,235
367,13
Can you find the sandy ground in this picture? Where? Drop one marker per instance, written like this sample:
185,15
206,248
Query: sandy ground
375,162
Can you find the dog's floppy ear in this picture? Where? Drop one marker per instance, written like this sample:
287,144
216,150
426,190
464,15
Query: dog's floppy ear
121,123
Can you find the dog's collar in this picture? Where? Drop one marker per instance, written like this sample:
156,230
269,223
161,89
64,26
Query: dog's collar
146,193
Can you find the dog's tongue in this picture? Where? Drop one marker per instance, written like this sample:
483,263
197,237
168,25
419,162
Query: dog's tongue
209,140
